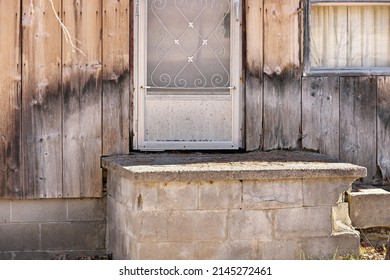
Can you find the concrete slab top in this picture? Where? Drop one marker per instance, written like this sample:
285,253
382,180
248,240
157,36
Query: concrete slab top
189,166
364,190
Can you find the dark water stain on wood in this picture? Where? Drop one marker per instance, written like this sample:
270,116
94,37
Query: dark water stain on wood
116,103
282,109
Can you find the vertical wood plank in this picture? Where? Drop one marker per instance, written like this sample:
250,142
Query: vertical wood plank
82,90
320,115
282,80
358,122
116,76
254,74
281,35
10,101
42,99
383,130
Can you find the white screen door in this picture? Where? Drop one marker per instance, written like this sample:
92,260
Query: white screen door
188,74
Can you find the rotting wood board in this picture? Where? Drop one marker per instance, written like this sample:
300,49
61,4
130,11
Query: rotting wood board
41,100
82,90
10,101
383,129
320,115
254,74
282,79
358,122
116,76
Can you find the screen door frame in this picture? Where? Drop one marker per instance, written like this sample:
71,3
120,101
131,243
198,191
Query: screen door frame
140,86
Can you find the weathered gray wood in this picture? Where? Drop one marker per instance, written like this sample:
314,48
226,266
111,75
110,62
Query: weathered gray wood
10,101
383,130
116,76
282,79
282,111
358,122
320,115
42,99
254,75
82,89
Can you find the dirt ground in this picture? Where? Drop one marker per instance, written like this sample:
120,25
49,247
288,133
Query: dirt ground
375,244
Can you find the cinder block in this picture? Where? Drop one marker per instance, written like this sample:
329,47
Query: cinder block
324,191
168,251
228,250
87,209
340,218
309,221
6,256
117,213
73,236
18,237
272,194
370,208
121,215
321,248
167,196
122,189
5,215
279,250
160,226
251,224
115,243
43,210
197,225
133,223
220,195
130,247
111,210
153,226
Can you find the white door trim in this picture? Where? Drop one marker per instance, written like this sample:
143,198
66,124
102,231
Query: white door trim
140,86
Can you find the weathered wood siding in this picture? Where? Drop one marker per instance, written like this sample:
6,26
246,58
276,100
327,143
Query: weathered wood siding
383,127
41,99
344,117
82,100
282,79
320,115
11,169
358,121
61,110
254,74
116,76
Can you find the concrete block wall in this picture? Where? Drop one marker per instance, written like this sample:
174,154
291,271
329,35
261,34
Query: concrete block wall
228,219
44,229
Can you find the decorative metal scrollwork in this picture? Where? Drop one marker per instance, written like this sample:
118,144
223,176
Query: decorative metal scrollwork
189,53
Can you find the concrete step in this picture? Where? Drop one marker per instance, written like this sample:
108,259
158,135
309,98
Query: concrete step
258,205
369,206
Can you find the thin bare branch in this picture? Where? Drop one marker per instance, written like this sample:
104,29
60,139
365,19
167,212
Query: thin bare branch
68,38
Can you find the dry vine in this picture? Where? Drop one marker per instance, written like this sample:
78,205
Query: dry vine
68,38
